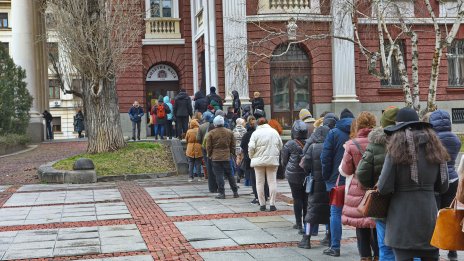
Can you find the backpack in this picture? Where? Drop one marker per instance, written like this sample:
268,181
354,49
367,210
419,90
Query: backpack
161,111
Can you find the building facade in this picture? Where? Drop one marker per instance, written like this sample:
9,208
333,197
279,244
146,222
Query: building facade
244,46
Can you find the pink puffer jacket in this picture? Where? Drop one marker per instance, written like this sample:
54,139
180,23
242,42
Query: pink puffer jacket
351,158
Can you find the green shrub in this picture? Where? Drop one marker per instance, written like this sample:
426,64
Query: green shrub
14,139
15,100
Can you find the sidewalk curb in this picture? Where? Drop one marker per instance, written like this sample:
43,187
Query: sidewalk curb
29,148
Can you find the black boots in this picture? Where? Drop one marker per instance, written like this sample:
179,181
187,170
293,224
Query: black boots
326,240
220,196
305,242
236,195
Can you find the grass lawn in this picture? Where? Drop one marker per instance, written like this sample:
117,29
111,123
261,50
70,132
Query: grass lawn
461,137
135,158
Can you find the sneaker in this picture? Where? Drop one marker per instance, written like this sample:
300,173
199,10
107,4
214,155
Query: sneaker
453,255
255,201
220,196
190,180
236,195
262,208
272,208
200,179
331,252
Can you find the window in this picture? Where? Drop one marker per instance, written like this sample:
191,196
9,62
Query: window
54,88
456,63
56,123
160,8
395,77
53,53
4,20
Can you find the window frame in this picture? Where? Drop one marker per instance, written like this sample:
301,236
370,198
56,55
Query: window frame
391,62
174,10
458,79
56,127
3,19
56,89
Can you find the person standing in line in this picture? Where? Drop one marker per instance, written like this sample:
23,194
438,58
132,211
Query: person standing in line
331,157
135,115
318,211
208,125
368,247
214,99
290,160
415,168
182,111
264,151
369,168
249,171
169,118
161,112
257,104
220,145
236,103
193,151
48,124
201,102
79,123
307,118
239,131
441,123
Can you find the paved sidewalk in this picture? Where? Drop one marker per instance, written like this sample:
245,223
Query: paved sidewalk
164,219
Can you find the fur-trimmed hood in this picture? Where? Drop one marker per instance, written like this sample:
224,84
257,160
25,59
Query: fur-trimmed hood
378,136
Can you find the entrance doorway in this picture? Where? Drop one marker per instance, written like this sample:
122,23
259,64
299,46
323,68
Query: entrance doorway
290,84
161,81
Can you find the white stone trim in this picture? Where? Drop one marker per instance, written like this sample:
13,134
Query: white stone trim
419,21
210,44
194,49
163,41
286,17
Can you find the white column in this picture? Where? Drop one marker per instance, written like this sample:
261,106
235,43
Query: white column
343,65
235,49
23,49
210,45
194,46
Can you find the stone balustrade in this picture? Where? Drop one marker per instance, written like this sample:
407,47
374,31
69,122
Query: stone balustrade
162,28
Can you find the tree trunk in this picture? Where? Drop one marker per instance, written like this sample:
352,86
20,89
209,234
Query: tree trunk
102,121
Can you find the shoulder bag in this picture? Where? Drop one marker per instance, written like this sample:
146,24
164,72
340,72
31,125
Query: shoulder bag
448,233
337,194
374,204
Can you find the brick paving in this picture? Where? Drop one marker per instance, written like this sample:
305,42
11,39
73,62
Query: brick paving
22,168
164,219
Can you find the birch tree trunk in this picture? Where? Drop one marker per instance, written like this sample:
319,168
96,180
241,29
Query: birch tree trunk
102,121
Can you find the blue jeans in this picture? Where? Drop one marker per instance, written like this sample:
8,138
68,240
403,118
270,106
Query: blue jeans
385,252
49,131
335,226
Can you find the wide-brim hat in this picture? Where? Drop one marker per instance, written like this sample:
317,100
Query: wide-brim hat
406,117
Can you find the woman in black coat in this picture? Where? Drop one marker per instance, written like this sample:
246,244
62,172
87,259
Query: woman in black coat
258,104
236,102
318,211
201,102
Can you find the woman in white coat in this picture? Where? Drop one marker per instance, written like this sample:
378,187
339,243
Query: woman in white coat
264,150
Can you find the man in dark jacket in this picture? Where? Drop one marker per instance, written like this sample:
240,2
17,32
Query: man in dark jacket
135,115
441,123
201,102
220,145
236,103
182,111
331,157
48,123
212,96
208,118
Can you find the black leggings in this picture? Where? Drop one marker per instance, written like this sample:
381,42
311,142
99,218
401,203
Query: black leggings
367,242
300,202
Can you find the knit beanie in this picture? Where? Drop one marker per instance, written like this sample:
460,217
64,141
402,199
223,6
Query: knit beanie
208,117
306,116
218,121
346,114
212,89
240,121
389,117
219,113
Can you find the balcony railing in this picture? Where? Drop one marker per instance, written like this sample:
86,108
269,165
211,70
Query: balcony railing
284,6
162,28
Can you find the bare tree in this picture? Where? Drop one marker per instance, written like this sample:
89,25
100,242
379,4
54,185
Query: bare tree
95,36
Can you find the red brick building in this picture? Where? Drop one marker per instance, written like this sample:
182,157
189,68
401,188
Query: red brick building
236,45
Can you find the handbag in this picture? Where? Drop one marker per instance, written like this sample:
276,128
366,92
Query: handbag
374,204
309,184
460,192
448,233
337,194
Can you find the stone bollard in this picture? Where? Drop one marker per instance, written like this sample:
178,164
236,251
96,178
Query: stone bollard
83,172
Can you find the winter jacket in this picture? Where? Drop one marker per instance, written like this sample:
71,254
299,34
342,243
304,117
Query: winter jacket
293,152
246,112
167,101
201,102
236,103
161,121
332,153
412,212
183,105
136,114
239,131
79,122
244,146
264,147
220,144
257,103
193,146
318,201
47,116
216,98
370,166
355,192
330,119
441,123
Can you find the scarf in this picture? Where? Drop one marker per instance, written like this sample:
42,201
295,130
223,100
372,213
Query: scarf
413,167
